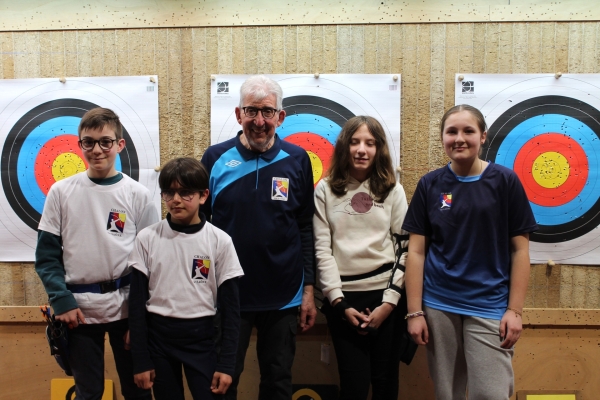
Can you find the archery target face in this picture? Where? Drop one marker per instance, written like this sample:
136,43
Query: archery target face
316,109
548,131
40,144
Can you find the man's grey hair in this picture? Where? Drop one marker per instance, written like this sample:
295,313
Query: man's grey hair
258,87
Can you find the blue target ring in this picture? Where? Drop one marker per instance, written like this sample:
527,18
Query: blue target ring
29,152
312,115
574,119
312,123
24,142
578,131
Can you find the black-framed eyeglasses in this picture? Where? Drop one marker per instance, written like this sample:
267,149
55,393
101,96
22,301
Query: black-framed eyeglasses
184,194
266,112
104,143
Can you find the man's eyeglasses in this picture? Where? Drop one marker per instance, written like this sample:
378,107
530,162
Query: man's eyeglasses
104,143
266,112
184,194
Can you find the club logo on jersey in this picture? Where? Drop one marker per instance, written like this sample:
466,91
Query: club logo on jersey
280,189
116,221
445,200
200,268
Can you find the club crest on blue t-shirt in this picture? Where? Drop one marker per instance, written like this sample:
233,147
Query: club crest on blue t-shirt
116,221
200,268
445,200
280,189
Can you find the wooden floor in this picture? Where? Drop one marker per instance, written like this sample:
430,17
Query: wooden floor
548,356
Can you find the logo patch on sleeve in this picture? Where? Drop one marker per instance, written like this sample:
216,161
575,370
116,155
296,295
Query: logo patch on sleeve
200,269
280,189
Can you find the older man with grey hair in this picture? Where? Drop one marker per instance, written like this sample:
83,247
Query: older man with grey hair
261,194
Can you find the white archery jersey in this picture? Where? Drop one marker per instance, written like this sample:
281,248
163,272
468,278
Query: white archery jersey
184,270
97,225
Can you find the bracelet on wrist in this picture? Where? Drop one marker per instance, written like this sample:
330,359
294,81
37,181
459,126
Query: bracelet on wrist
415,314
517,312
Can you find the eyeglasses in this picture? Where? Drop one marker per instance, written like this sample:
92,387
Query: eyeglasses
104,143
184,194
266,112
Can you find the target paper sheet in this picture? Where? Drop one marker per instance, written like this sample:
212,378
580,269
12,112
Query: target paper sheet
548,131
316,109
38,135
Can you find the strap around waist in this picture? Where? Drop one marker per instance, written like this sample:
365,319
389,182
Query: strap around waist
101,287
380,270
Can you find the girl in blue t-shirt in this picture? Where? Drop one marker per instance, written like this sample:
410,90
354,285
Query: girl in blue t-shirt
468,264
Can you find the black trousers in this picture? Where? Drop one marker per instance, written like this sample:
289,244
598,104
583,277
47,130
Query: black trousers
365,360
179,343
275,348
86,356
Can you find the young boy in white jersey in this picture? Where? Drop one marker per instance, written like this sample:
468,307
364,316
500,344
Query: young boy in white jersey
85,235
183,267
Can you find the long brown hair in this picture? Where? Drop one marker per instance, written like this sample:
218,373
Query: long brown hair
382,179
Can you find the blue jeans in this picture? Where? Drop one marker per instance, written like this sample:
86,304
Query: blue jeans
86,348
275,348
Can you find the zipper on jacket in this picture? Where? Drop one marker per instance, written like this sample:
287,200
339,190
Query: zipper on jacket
257,158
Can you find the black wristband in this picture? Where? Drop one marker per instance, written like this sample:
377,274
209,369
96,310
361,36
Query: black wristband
341,307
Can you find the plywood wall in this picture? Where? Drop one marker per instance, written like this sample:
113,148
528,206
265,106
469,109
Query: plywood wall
427,56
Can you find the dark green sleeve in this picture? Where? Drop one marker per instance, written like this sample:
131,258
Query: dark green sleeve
50,268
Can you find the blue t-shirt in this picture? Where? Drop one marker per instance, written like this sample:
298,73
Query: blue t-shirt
469,225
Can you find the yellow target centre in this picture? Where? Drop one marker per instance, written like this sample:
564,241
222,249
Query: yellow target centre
66,165
550,169
317,166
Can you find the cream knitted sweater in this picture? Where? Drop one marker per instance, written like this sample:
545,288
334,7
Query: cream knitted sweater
352,237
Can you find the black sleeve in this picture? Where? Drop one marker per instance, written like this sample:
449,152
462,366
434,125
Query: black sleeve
228,299
138,327
305,224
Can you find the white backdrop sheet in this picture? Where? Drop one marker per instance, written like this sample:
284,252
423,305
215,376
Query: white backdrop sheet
316,109
38,135
547,129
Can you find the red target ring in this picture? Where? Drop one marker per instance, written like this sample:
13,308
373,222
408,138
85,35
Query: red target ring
569,173
61,152
319,150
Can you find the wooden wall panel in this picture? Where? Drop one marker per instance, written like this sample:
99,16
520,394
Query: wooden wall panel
426,55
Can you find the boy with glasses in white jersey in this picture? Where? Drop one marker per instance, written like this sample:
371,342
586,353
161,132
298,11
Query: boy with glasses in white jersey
183,267
85,235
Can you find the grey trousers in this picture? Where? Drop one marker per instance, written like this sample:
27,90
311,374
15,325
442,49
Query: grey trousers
464,355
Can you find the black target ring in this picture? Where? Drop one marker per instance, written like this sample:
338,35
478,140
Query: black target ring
13,147
539,106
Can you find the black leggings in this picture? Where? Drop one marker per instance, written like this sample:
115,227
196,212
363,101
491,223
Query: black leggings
365,360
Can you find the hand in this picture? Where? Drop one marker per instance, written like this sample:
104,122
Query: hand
71,318
417,327
220,383
126,341
356,318
144,380
511,326
376,317
308,310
